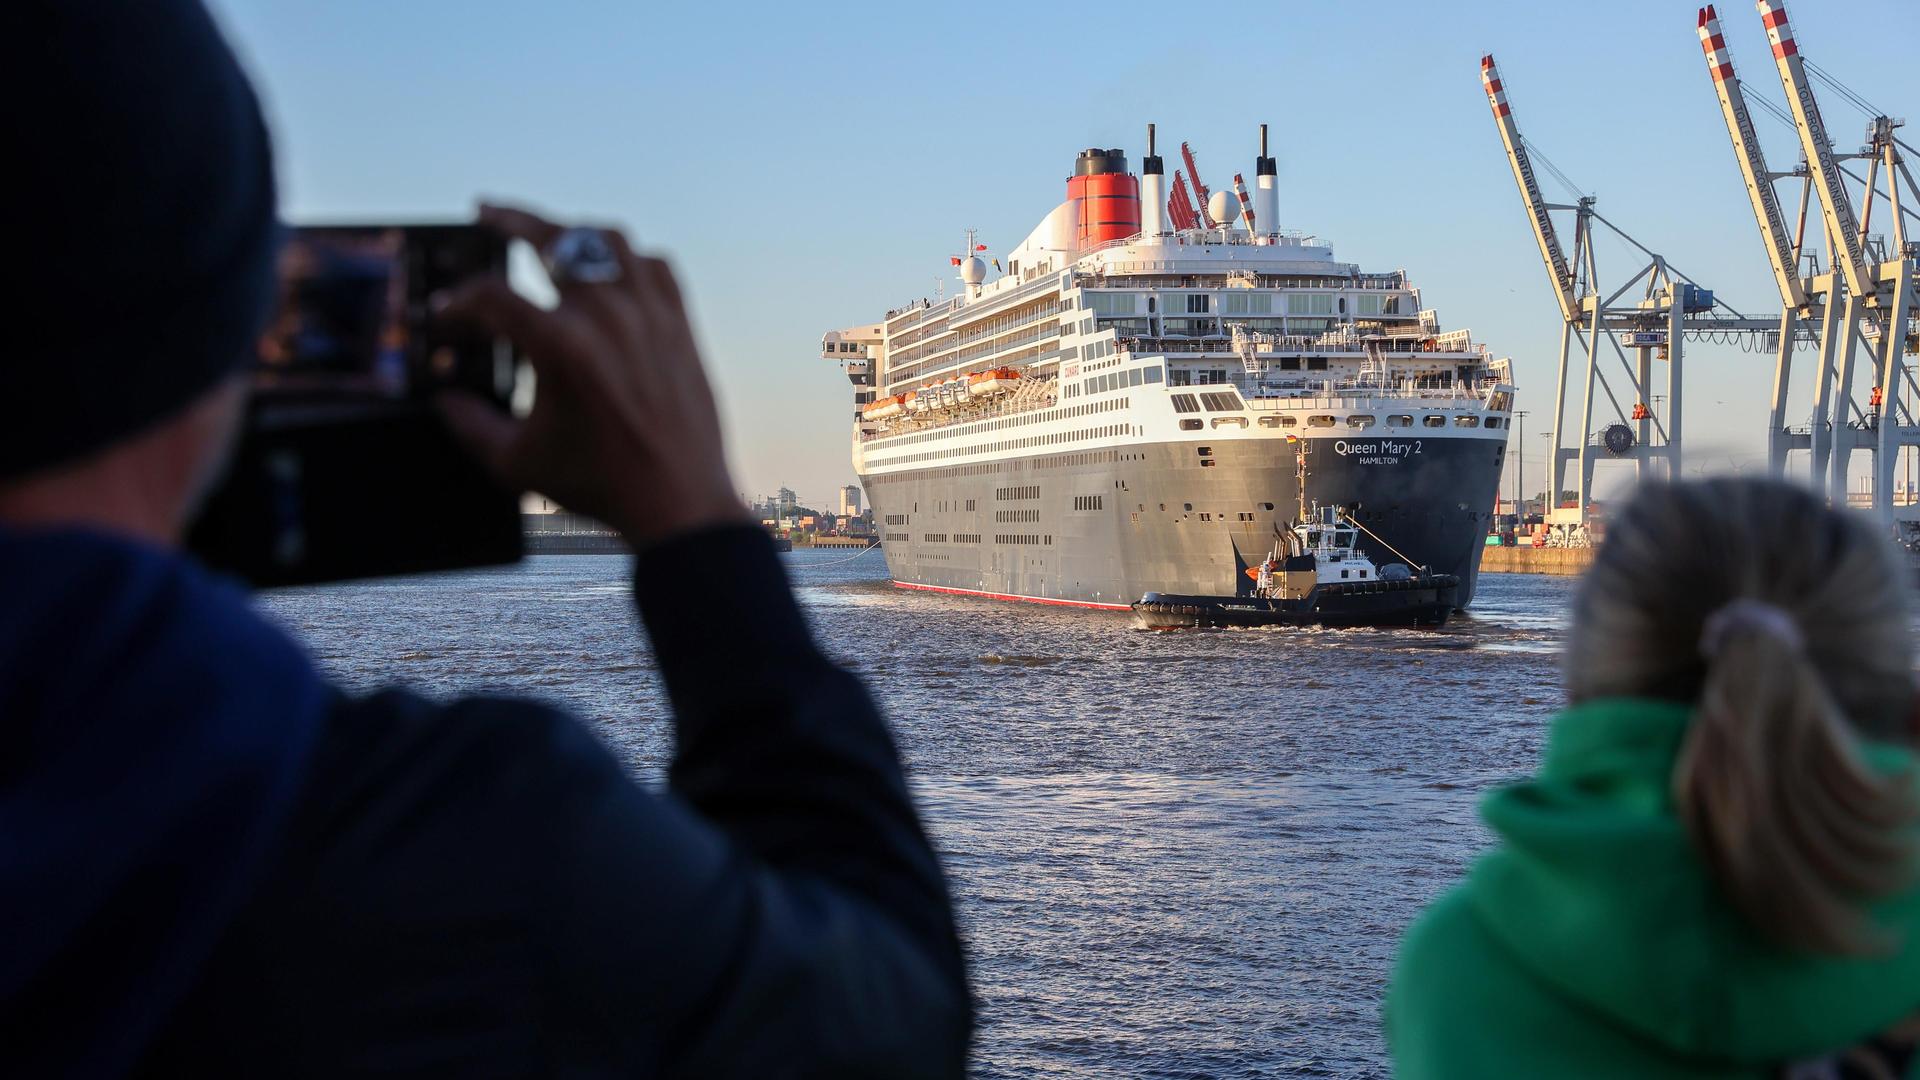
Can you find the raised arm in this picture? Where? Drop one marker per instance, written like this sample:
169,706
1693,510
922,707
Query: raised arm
781,912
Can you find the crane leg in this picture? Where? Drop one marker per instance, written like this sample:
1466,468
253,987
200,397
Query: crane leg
1586,415
1777,414
1676,399
1893,337
1643,427
1554,473
1823,387
1843,431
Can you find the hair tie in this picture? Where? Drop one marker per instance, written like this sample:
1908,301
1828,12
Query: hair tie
1749,617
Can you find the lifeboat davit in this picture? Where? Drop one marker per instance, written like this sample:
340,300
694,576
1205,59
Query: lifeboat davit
884,409
991,383
915,401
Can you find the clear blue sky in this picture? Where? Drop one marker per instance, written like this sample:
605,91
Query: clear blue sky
808,166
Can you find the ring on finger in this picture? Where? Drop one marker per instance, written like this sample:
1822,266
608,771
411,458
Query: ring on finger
582,256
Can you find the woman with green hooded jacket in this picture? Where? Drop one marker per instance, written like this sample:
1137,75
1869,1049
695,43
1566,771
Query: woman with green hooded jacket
1713,874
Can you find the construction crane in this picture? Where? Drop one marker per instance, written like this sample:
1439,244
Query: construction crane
1800,298
1843,231
1843,242
1670,307
1537,206
1866,291
1781,251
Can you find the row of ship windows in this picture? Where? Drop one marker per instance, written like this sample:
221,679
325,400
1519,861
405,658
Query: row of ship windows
974,538
1226,401
1088,502
1105,431
1432,421
1118,380
1021,517
1015,494
1364,420
987,468
1358,421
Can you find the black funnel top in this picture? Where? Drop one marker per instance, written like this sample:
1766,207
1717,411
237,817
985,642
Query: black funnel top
1095,161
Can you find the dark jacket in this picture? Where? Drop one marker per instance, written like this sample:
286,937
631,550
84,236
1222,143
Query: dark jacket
215,863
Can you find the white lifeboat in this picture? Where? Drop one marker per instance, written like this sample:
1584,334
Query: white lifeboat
916,401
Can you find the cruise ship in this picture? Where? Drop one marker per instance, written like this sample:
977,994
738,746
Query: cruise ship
1147,391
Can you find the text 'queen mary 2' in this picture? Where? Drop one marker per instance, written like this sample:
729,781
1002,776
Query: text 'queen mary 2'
1122,408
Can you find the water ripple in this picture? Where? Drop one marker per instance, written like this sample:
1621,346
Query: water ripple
1175,855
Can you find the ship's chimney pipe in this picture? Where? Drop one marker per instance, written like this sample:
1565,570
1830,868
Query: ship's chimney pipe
1153,191
1266,195
1106,198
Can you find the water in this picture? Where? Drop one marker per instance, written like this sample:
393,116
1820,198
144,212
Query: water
1175,855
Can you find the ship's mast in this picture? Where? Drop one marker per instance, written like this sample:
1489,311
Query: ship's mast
1300,475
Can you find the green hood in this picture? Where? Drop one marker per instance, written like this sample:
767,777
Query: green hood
1597,892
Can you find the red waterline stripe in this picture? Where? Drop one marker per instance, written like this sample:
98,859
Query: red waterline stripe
1006,596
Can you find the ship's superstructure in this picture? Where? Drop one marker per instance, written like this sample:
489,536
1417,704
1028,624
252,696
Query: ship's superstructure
1122,409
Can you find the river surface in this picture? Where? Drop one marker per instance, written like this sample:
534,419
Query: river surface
1174,854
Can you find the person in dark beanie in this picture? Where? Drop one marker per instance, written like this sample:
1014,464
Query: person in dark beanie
213,862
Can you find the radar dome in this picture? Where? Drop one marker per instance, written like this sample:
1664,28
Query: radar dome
974,270
1224,207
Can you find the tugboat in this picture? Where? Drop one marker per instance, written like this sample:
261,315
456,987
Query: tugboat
1315,575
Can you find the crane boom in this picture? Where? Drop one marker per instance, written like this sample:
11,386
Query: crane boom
1753,163
1180,204
1836,207
1200,191
1537,212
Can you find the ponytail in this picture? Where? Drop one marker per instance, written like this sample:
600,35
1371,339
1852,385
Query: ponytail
1784,623
1779,801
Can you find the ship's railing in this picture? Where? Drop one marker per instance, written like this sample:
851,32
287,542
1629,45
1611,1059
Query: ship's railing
1290,345
1100,277
1290,395
1216,238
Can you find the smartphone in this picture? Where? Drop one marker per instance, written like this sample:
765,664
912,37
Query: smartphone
344,468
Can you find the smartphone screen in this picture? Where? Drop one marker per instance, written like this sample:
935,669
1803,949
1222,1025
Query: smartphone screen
353,325
344,468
